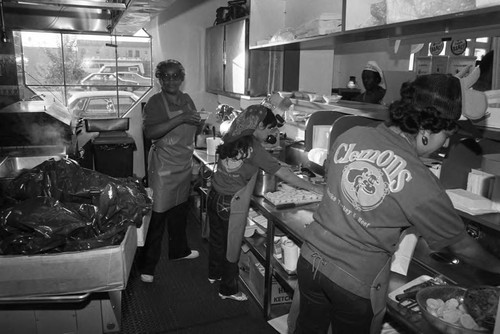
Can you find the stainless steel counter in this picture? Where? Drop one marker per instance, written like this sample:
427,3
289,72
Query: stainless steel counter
202,156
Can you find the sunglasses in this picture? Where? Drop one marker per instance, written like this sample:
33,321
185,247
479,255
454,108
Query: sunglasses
171,77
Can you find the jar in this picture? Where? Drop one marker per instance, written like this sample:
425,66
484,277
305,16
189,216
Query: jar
351,84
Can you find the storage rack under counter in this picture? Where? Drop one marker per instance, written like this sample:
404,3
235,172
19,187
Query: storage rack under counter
291,222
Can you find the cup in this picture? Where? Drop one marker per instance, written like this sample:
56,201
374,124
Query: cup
290,254
212,143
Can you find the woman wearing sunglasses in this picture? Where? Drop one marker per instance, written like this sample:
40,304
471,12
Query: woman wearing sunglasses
171,123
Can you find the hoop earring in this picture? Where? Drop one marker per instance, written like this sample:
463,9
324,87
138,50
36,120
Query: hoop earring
425,140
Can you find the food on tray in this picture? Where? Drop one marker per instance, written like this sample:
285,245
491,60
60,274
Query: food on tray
292,196
452,311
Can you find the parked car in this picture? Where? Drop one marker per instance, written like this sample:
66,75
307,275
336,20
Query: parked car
135,77
103,81
101,104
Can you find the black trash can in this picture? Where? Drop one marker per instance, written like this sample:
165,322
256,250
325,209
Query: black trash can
113,154
113,148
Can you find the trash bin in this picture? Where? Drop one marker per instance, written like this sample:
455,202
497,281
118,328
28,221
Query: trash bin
113,154
113,148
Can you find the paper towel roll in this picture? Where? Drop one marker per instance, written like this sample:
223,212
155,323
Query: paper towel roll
290,254
212,144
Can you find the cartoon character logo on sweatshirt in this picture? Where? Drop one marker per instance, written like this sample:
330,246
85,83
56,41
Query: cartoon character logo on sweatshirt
369,175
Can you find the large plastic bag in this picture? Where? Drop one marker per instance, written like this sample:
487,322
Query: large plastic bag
64,180
45,225
62,206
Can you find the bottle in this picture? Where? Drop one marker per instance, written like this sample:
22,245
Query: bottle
351,84
277,251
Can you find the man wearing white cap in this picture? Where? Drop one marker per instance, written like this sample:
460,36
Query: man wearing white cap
374,83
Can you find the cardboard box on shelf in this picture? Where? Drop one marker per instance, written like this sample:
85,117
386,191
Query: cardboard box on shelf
278,294
257,272
95,270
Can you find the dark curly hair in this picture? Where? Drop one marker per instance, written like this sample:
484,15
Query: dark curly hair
231,149
431,102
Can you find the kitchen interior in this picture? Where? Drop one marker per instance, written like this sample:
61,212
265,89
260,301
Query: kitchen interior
295,56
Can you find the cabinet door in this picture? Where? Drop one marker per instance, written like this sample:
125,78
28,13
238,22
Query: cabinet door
264,72
235,73
214,58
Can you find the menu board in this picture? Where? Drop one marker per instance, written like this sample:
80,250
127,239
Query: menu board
369,13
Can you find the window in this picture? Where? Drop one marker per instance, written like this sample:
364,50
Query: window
60,66
137,53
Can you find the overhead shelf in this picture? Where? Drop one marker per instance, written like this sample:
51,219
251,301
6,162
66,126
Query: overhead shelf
474,23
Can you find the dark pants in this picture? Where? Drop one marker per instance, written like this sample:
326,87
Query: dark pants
176,220
218,266
323,302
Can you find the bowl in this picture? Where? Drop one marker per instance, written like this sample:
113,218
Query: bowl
285,94
445,293
332,98
314,97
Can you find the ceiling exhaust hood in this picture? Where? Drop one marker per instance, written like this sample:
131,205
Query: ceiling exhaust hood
88,16
118,17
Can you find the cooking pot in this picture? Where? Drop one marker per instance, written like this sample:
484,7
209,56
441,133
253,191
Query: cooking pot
265,183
